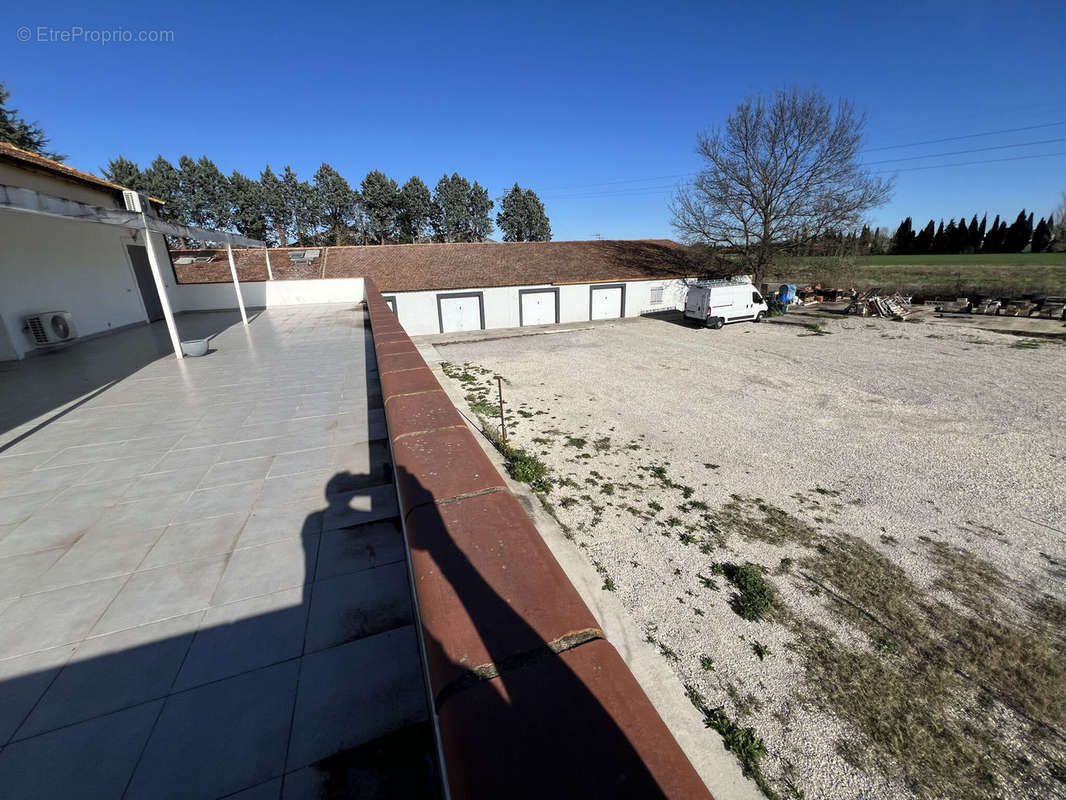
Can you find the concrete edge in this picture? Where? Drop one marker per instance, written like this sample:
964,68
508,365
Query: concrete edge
717,767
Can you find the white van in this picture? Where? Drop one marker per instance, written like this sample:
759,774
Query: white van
714,303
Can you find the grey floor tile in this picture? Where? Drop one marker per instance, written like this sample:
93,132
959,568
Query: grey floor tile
301,461
22,682
228,472
16,510
347,550
95,558
234,499
102,493
185,541
358,604
19,574
49,527
334,712
146,512
50,619
305,489
271,790
267,568
107,673
267,525
127,469
253,448
161,593
90,760
168,482
219,738
188,459
87,454
357,507
246,635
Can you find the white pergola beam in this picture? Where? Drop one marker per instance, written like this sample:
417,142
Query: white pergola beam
236,283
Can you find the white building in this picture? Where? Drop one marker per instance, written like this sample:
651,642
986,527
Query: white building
75,261
441,288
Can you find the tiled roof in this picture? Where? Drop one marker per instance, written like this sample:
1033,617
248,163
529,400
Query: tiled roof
416,267
8,152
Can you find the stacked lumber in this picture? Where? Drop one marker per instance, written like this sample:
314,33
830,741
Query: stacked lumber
874,304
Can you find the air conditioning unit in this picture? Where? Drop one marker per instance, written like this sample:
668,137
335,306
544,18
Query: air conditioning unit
50,328
135,201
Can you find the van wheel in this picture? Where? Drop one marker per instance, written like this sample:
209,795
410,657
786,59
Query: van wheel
716,323
759,317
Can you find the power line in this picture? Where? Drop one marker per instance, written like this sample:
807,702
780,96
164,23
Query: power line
971,163
964,152
865,150
966,136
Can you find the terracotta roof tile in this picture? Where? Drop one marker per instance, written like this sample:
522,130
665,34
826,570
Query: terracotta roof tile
417,267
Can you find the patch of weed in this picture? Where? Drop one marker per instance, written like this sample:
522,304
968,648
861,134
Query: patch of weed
761,650
754,595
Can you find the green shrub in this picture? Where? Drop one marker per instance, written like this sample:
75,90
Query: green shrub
754,596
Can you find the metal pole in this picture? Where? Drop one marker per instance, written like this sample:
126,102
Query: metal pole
270,272
236,283
503,426
161,288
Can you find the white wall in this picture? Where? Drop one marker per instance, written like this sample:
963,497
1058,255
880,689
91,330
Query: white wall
264,294
49,264
417,311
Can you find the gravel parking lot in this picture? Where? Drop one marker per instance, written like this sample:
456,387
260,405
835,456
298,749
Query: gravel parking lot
849,542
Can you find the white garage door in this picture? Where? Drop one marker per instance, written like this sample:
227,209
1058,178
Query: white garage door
538,308
606,302
460,314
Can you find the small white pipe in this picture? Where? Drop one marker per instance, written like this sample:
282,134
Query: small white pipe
161,288
270,272
236,283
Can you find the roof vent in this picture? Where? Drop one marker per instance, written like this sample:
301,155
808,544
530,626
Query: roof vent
303,256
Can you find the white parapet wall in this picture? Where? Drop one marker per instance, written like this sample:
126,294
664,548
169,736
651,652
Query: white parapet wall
265,294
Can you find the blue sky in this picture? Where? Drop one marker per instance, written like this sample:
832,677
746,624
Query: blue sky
595,106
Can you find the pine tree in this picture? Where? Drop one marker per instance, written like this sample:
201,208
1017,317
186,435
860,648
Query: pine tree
124,172
903,241
1041,236
479,207
22,133
381,204
451,211
274,206
991,240
415,209
246,206
161,181
976,234
522,218
203,190
293,196
938,239
337,202
962,237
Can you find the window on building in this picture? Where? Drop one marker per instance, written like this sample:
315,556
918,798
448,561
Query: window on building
656,295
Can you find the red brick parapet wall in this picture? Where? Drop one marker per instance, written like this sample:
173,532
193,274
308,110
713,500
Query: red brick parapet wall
531,699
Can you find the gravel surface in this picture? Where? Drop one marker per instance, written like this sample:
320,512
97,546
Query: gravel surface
906,437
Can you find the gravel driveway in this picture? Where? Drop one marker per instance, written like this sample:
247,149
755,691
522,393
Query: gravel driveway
899,493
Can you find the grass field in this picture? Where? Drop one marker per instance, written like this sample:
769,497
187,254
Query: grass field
1007,275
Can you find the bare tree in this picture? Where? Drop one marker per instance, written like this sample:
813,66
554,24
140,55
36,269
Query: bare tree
783,171
1058,227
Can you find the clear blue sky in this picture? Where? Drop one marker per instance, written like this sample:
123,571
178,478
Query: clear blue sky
589,104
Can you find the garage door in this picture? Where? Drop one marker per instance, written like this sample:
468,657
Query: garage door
606,302
538,308
459,312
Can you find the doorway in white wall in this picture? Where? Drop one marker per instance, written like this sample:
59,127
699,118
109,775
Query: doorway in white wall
461,312
145,282
538,306
607,301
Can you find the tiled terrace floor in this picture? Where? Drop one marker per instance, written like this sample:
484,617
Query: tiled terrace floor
203,589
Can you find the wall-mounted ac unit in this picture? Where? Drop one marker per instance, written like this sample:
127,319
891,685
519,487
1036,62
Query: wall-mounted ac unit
50,328
135,201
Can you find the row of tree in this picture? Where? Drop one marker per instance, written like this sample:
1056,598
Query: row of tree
975,237
286,210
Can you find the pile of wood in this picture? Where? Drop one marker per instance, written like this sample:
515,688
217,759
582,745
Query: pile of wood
874,304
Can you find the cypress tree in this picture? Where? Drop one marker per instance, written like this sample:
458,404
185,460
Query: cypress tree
1041,236
274,207
938,239
381,203
924,242
903,241
416,205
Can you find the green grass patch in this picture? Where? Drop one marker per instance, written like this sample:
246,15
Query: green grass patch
754,596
